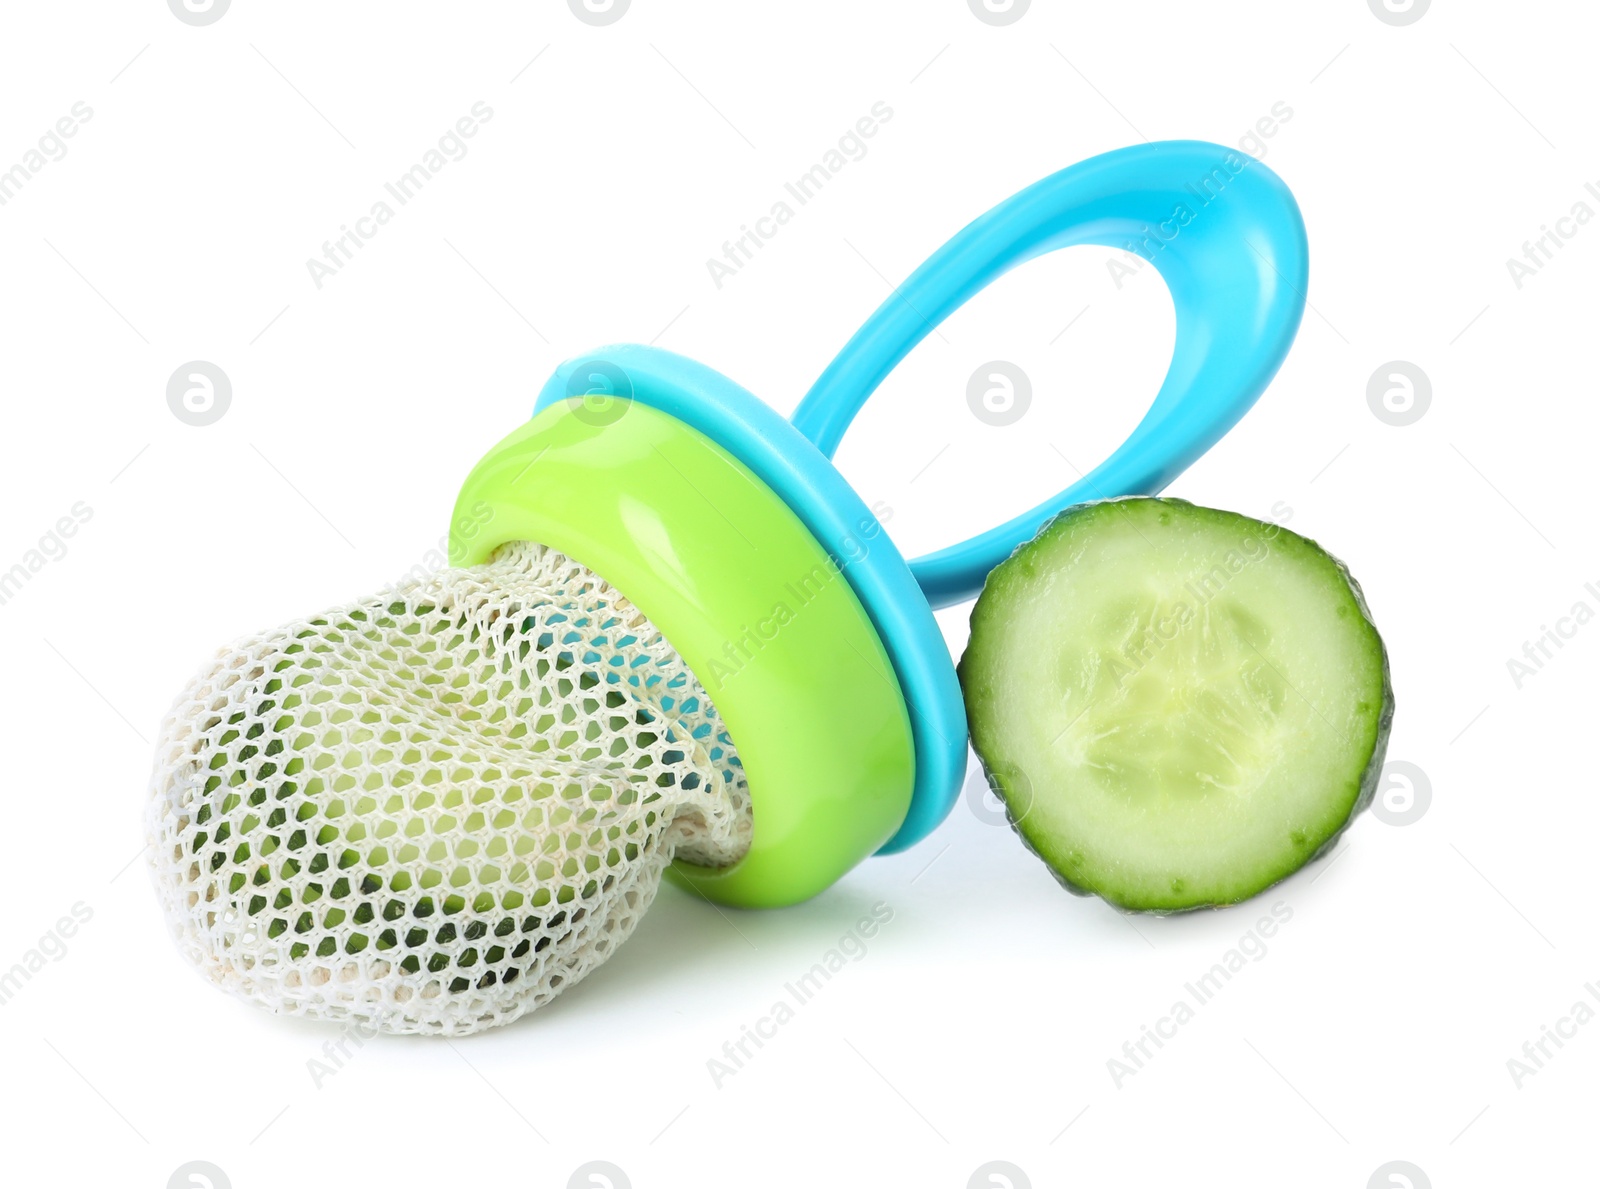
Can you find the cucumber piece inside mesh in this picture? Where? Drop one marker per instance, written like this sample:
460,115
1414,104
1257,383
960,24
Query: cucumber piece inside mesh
1179,706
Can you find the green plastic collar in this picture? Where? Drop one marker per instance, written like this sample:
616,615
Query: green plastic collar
748,598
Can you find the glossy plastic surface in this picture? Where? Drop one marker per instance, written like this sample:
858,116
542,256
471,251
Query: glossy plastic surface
747,596
792,467
1227,237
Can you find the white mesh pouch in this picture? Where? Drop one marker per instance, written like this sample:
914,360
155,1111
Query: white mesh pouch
434,809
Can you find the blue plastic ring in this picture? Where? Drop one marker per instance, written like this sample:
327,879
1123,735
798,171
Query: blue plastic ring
1227,237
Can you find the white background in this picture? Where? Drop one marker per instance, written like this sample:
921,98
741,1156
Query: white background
978,1025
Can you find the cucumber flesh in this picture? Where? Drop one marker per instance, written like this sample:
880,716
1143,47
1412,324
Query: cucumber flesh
1179,706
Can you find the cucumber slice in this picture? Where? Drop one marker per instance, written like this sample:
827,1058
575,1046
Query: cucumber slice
1179,706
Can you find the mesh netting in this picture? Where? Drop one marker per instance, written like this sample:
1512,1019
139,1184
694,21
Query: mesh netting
436,808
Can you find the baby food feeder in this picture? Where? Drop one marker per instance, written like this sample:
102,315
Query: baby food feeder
675,628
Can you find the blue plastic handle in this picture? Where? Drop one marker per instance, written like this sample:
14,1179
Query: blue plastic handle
1226,236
